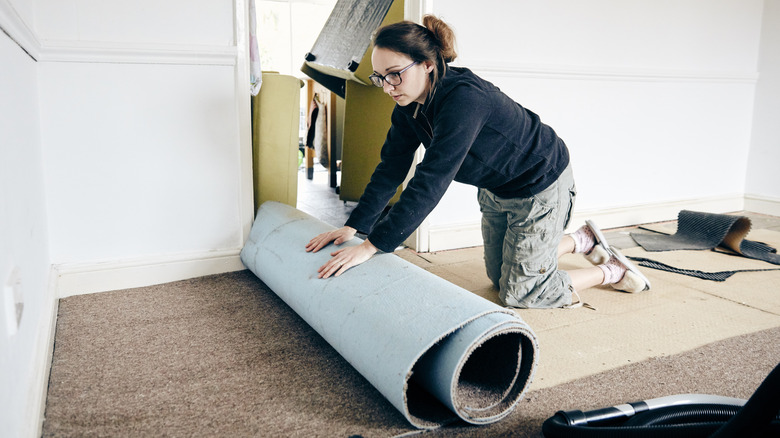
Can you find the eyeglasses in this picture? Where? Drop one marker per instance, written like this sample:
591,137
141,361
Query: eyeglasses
393,79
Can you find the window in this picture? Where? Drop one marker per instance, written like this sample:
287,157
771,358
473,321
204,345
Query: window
286,31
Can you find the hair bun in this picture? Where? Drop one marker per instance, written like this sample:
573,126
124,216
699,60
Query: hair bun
444,35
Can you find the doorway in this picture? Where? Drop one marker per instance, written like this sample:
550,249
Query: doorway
286,31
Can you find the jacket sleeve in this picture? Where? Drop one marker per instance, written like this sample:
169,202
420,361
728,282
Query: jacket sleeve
458,121
397,155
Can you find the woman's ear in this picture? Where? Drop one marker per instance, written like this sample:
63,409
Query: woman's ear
428,65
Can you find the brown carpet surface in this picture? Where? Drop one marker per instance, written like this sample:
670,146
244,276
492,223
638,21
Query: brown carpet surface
224,356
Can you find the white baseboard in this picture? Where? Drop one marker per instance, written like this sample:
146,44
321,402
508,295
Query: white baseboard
43,353
762,204
464,235
115,275
454,236
656,212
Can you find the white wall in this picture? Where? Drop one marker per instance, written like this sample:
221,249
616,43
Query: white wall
185,23
145,126
763,177
140,159
654,99
125,161
24,252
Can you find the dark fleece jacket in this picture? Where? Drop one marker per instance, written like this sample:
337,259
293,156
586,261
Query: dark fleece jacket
472,133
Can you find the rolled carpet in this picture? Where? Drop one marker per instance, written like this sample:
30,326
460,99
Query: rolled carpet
435,351
702,231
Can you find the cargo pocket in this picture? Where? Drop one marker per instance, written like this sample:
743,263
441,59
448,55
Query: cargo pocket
530,259
537,268
572,199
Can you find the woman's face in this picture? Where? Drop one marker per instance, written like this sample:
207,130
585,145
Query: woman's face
415,81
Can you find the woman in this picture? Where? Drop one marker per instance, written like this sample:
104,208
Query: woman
475,134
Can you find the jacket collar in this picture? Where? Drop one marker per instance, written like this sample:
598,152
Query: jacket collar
450,78
417,107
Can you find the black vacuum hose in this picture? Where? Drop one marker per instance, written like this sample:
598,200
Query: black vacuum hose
757,418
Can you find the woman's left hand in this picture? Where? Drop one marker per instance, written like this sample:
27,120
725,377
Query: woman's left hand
346,258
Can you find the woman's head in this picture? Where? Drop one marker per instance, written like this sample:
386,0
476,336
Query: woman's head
431,47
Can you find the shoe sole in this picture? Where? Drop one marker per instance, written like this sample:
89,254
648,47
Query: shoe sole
600,252
630,267
597,232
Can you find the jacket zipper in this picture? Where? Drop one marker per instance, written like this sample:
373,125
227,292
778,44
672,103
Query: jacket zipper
427,127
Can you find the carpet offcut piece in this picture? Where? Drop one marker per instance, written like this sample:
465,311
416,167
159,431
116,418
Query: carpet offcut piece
712,276
703,231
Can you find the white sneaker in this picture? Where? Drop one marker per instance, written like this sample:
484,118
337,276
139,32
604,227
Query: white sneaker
599,254
633,281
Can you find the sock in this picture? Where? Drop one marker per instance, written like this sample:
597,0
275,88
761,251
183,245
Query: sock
613,271
584,240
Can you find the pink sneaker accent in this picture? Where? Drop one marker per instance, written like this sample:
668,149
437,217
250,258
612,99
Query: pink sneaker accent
589,240
623,275
613,271
584,239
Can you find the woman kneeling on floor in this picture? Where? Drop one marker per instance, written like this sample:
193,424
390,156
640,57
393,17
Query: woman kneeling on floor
474,134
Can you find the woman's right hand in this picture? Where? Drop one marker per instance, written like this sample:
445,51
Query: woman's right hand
337,236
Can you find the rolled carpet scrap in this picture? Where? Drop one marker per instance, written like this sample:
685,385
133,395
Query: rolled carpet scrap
700,231
435,351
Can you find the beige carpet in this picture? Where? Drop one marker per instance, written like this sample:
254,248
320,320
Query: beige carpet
223,356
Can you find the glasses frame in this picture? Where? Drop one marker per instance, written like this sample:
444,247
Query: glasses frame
379,81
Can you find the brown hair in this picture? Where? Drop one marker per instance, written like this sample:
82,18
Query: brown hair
434,41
